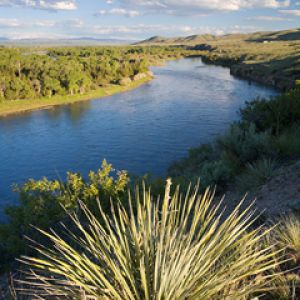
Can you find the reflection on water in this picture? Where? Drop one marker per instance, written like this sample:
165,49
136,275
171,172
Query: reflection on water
143,130
74,112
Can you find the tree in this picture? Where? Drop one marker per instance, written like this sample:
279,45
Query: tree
50,86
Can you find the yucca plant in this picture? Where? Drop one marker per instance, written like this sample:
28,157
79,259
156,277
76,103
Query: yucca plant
284,287
287,235
176,247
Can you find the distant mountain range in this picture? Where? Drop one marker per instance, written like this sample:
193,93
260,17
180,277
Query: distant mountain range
286,35
72,41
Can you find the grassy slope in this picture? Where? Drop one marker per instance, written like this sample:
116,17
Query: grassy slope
18,106
265,54
271,63
286,35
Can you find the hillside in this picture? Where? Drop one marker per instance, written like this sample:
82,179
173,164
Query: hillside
189,40
279,195
286,35
271,58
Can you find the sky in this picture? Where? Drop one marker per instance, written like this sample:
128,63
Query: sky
140,19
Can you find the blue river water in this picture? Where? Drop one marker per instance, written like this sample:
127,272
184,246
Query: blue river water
142,131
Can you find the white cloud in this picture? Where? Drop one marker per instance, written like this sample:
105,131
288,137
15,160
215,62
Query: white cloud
202,6
266,3
65,29
167,30
119,12
16,35
4,22
41,4
73,23
39,24
61,5
291,12
16,29
269,19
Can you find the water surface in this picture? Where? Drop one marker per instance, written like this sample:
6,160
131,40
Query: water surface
143,130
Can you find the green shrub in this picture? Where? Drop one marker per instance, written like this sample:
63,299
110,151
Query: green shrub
256,174
276,114
244,145
175,248
288,143
219,163
195,160
44,203
215,173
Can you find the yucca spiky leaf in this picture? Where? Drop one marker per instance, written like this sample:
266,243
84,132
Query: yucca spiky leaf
173,248
287,235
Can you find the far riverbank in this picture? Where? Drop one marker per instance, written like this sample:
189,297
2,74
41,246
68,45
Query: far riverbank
9,107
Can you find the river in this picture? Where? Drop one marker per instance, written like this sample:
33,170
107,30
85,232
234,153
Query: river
143,130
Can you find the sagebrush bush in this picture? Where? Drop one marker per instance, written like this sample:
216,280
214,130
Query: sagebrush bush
174,248
195,160
288,142
215,172
276,114
243,145
256,174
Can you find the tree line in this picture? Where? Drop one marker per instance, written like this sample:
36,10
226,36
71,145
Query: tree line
28,73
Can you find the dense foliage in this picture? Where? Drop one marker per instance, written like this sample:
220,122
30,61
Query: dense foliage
275,115
44,203
35,73
268,133
170,248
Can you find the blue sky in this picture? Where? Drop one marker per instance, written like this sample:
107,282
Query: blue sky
138,19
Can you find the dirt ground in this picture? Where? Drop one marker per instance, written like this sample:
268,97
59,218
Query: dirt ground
279,196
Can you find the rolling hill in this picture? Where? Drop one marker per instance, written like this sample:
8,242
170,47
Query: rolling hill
286,35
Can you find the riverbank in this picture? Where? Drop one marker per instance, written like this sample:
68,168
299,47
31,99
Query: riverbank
253,72
250,153
271,59
10,107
